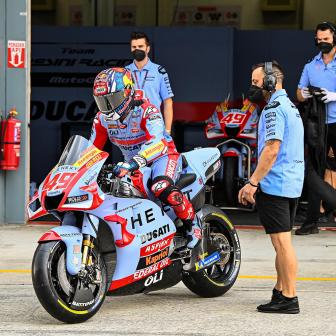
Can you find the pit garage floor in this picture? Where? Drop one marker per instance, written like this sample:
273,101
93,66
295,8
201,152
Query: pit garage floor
177,311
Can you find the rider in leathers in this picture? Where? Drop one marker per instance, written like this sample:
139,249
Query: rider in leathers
137,128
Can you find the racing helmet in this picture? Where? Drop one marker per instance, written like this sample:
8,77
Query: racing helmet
113,91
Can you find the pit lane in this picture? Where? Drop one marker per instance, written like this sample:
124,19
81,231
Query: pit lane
176,311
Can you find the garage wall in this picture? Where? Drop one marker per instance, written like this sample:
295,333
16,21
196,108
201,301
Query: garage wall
15,92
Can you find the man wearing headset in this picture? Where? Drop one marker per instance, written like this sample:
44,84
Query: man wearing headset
320,72
278,178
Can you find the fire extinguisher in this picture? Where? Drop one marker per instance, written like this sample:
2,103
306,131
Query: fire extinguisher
10,138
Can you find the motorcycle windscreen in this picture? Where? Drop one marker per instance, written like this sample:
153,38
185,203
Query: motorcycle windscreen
77,152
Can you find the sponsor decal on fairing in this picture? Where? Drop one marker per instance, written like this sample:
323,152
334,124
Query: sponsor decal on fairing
77,199
153,259
140,274
154,278
157,246
154,234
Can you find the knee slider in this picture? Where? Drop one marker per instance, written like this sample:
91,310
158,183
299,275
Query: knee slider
164,189
160,184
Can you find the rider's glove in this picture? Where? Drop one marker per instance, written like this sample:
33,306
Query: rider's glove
306,93
328,96
123,168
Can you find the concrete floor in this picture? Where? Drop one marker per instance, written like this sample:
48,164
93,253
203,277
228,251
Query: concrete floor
176,311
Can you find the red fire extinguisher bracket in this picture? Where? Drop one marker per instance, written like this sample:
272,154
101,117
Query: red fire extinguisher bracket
10,141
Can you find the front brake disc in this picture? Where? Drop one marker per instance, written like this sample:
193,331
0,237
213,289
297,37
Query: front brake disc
62,276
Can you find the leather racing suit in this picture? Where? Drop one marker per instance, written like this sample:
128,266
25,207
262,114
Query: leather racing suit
142,135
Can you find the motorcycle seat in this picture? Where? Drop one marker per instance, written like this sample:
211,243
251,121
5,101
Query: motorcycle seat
185,180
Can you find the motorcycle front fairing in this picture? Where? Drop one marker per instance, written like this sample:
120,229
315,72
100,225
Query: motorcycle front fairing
71,184
138,224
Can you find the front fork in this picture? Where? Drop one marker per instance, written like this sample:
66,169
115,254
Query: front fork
87,250
89,231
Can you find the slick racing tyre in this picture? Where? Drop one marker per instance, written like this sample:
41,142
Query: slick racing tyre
218,278
66,297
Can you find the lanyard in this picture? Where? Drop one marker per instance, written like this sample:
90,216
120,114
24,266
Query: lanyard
143,82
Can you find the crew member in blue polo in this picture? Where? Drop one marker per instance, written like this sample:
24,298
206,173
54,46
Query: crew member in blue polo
277,180
321,73
151,79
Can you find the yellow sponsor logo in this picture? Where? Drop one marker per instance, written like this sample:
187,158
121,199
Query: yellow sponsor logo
93,160
158,148
85,158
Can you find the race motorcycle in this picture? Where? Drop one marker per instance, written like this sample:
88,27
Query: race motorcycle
238,151
115,238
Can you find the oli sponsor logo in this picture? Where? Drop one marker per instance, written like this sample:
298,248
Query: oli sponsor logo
154,279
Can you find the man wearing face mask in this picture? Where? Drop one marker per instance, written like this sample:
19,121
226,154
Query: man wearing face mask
321,73
277,181
151,79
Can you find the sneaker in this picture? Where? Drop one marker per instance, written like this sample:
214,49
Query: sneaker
194,232
283,306
307,229
276,295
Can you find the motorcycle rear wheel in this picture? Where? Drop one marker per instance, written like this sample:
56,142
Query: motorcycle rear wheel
220,277
54,287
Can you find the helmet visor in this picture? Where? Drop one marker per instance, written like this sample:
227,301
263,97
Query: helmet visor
109,102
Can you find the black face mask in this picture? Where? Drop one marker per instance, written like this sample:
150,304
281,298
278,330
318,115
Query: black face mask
325,47
139,55
255,94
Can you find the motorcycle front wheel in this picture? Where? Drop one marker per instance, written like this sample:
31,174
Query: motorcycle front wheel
230,180
217,279
65,297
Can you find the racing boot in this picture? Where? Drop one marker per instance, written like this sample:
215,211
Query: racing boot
194,232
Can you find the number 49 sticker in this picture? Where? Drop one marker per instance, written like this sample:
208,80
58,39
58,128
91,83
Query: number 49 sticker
59,181
234,118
